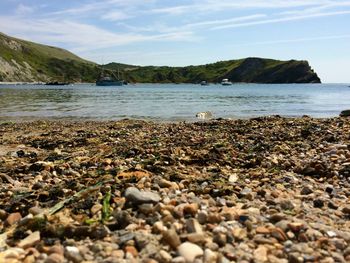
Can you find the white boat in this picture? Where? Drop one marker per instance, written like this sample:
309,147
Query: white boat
226,82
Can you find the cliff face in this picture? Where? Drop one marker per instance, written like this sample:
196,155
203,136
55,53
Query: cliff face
259,70
27,61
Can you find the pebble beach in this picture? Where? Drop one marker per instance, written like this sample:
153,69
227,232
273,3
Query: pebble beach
266,189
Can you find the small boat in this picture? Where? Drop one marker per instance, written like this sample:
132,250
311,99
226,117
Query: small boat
108,80
56,83
204,83
226,82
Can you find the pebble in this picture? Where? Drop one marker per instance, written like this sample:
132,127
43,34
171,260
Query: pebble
202,217
35,210
135,196
13,219
95,209
220,239
190,251
346,209
287,204
73,254
197,238
30,240
279,234
233,178
296,226
306,190
54,258
193,226
171,238
58,249
318,203
191,209
260,254
164,256
210,256
3,214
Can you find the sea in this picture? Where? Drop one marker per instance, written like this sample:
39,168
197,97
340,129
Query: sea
170,102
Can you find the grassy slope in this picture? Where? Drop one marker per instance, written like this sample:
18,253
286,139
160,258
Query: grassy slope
54,63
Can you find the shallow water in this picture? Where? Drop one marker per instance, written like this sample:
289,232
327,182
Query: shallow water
171,102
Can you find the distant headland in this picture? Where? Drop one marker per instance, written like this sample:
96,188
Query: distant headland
24,61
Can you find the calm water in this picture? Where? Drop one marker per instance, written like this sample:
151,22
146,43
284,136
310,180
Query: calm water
171,102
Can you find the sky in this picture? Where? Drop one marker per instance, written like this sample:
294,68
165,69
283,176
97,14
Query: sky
189,32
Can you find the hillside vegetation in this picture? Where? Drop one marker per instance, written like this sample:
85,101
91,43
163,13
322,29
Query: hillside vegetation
250,70
22,60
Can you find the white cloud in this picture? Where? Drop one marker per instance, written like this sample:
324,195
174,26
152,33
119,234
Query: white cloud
225,21
282,19
115,16
23,9
296,40
78,36
224,5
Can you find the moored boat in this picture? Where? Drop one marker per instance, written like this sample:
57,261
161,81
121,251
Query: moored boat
226,82
57,83
109,79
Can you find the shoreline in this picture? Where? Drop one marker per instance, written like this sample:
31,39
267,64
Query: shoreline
266,189
4,120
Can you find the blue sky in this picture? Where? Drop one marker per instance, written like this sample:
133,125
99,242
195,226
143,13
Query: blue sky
189,32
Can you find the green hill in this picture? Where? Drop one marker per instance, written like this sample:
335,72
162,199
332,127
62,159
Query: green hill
250,70
22,60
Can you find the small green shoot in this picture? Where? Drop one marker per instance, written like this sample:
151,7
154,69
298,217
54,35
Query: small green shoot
106,206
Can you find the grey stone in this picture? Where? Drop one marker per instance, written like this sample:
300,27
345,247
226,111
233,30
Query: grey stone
135,196
193,226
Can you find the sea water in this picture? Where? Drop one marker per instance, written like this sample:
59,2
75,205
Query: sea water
171,102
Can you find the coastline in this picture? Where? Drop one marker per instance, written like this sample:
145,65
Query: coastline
264,189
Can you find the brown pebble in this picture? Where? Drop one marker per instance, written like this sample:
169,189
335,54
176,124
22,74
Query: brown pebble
296,227
132,250
13,219
279,234
191,209
57,249
214,218
29,259
3,214
171,238
346,210
262,230
54,258
35,210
